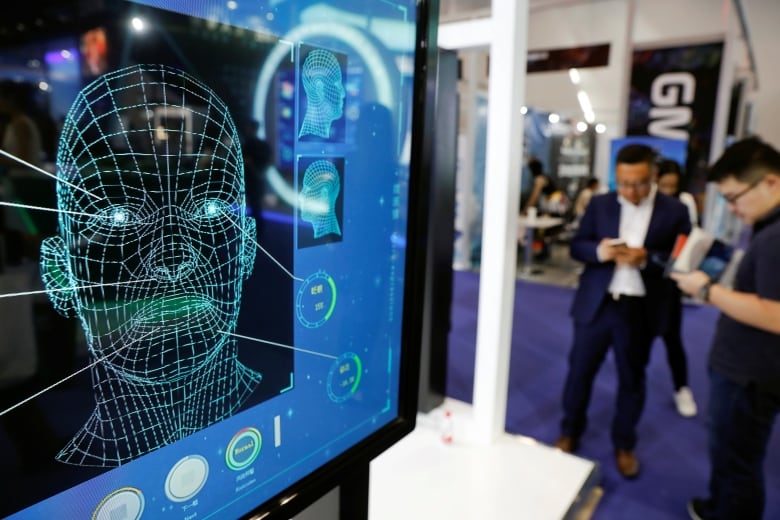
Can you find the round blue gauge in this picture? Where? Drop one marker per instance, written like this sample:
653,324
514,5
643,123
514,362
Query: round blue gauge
316,300
344,377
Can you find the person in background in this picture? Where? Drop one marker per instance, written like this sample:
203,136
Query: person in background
744,360
21,143
544,196
668,182
590,189
541,187
20,135
620,297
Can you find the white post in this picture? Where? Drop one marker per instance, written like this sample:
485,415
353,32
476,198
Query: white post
498,272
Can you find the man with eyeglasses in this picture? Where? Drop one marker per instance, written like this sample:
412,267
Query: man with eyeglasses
623,239
744,360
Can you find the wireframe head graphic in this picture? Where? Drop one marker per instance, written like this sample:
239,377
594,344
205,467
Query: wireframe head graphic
321,187
323,84
152,253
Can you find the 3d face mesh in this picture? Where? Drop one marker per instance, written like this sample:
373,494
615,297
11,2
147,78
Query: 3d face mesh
156,247
160,154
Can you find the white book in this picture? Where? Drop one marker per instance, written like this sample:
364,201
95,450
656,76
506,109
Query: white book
702,251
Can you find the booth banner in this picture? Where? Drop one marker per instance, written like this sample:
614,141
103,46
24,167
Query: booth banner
572,154
673,95
571,159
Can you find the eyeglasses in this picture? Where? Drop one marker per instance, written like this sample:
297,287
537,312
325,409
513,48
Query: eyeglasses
633,185
733,198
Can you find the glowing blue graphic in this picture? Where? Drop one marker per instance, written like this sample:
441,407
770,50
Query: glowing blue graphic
153,249
323,83
316,300
321,187
344,377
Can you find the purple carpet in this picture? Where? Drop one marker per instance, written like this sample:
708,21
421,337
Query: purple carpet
672,449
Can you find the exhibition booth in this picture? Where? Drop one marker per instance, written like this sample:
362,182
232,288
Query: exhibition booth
229,230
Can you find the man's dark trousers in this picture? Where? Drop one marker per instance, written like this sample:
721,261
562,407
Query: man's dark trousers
740,424
622,324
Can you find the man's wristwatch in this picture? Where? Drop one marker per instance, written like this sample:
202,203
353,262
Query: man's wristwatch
704,292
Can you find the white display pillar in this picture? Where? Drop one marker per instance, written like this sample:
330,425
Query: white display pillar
498,271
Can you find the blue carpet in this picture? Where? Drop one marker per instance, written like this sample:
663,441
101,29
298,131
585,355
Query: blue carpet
672,449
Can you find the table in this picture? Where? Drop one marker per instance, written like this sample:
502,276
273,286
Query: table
525,231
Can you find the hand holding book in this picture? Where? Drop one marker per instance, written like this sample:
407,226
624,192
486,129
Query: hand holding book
701,251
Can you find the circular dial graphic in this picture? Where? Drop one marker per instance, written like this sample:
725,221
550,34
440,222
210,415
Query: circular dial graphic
344,377
127,502
186,478
243,449
316,300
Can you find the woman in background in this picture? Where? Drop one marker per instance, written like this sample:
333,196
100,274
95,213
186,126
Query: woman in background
544,197
583,199
668,182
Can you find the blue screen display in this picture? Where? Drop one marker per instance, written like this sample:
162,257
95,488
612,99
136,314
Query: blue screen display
203,260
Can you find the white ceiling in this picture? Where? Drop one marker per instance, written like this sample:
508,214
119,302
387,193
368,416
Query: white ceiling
558,23
562,23
652,23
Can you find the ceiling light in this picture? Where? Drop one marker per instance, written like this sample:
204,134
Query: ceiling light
574,75
582,126
601,128
553,118
587,108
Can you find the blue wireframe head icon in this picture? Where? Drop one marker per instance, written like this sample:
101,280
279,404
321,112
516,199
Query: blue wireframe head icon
153,250
321,187
323,84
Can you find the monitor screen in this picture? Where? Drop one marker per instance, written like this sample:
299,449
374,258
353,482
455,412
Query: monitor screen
207,287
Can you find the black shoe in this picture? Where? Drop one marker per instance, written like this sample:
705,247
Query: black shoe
699,509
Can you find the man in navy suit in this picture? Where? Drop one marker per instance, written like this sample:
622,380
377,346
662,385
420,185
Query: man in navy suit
624,240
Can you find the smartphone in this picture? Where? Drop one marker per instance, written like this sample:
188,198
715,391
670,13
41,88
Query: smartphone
616,242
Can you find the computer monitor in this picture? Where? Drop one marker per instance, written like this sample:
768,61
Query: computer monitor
225,317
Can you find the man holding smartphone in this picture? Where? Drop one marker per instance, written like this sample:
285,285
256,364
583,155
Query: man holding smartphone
744,361
621,297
